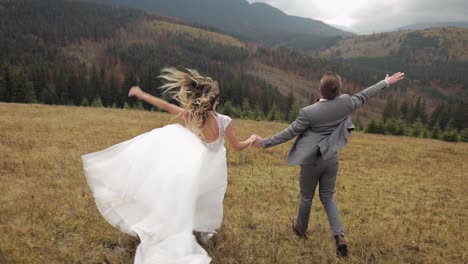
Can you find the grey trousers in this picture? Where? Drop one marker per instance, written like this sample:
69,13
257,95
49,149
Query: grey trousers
323,173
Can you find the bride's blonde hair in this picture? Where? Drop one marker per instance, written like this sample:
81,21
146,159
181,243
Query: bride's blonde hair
195,93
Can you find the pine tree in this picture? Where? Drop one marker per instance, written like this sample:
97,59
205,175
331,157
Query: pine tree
371,126
113,96
357,124
130,80
49,95
9,84
390,110
395,127
139,105
229,109
24,89
404,110
417,130
426,133
293,113
84,102
97,102
258,113
94,84
416,111
105,89
290,101
423,114
274,114
39,75
450,135
436,116
460,116
82,84
75,91
60,81
464,135
246,109
2,89
435,134
441,115
375,127
450,124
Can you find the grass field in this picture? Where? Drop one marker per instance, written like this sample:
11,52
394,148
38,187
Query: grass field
402,200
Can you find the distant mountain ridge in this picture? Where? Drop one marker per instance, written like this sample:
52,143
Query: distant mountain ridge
420,47
258,22
418,26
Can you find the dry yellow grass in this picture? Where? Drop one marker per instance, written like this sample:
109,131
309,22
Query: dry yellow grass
402,200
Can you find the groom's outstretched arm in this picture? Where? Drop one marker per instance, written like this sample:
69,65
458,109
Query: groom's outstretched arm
363,96
299,126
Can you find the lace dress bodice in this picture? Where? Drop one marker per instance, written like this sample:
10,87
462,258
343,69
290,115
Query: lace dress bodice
223,122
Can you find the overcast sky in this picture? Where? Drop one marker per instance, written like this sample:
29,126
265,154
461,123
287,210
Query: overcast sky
367,16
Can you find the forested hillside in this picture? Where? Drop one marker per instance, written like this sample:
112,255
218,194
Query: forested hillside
66,52
432,56
83,53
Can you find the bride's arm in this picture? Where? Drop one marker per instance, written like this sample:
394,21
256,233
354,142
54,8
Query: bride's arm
235,143
155,101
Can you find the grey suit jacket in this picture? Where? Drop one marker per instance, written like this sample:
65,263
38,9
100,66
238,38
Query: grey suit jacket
322,128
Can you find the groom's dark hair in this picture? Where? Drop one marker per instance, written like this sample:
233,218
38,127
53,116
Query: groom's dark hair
330,85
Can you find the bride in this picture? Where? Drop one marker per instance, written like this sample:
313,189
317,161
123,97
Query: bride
169,182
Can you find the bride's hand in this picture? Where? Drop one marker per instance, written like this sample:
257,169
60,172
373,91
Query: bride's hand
252,139
135,91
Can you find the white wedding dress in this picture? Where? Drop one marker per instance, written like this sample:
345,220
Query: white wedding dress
161,186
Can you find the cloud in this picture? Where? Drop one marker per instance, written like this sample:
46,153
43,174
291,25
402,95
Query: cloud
368,16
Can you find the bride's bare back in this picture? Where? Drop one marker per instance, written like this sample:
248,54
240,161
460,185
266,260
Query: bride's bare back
210,130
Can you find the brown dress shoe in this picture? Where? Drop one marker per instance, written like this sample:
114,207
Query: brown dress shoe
295,230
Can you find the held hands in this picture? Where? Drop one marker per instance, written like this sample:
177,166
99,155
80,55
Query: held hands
252,139
258,141
135,91
395,77
255,140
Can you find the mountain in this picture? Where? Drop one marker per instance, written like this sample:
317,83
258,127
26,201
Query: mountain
81,53
435,62
257,22
347,29
417,47
460,24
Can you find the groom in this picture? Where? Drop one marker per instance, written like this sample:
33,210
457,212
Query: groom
322,129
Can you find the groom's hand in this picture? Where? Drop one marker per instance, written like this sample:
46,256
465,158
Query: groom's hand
395,78
258,142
